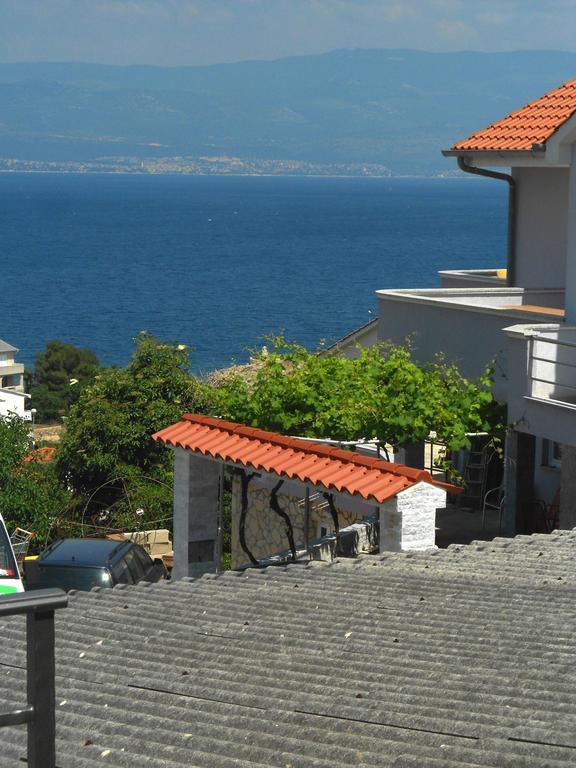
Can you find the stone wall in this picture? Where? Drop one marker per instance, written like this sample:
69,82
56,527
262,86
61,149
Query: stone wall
265,531
353,540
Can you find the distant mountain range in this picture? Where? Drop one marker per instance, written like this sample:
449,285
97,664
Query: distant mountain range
392,108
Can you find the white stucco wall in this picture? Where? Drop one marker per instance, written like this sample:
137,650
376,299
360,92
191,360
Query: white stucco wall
469,338
541,227
408,521
13,403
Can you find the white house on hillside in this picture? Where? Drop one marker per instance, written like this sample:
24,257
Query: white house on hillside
12,395
524,315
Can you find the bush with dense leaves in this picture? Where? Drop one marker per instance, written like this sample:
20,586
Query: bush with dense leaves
383,393
31,494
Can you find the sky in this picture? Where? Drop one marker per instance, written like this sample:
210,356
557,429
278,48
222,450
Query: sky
189,32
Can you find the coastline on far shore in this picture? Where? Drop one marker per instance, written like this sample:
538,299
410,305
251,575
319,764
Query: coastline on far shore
213,166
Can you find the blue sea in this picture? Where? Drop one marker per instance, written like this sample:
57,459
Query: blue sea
220,262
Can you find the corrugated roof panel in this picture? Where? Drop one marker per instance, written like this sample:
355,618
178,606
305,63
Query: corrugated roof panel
532,124
460,657
309,462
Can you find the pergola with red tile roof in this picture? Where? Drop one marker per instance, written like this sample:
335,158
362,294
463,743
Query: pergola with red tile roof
372,479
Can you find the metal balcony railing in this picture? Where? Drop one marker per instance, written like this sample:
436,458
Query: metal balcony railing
552,369
39,713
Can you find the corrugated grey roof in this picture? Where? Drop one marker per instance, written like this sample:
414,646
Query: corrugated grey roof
5,347
465,657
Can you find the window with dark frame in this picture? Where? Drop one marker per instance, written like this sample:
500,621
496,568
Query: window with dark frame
551,454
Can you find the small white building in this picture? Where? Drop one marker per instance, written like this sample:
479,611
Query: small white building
14,403
12,395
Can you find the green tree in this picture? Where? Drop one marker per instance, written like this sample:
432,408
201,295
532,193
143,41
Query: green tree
60,374
380,394
15,444
31,494
107,451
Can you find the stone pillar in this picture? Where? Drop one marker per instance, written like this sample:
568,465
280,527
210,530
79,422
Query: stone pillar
390,526
519,483
568,488
238,557
196,504
408,521
570,281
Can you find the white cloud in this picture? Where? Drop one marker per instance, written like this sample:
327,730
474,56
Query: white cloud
446,6
453,27
494,19
205,31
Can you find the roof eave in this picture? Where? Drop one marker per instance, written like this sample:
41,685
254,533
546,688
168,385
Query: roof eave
14,392
496,152
5,347
509,158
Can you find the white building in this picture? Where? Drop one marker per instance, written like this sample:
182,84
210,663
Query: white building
14,403
12,395
524,315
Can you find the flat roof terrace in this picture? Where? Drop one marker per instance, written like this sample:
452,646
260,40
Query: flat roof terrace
529,301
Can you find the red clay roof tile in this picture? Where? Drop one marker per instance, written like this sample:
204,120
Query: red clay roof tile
371,478
40,455
532,124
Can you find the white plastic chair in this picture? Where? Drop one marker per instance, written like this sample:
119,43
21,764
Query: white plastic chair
494,501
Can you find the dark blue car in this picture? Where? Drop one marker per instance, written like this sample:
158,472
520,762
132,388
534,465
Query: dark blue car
86,563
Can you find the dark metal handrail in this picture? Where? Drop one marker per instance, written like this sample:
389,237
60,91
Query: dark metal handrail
39,714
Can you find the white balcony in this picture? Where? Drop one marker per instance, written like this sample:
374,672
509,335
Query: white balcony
11,368
552,365
12,378
542,380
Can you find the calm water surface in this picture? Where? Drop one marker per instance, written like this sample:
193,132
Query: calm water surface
219,262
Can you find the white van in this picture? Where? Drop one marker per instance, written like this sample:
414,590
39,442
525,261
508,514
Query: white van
10,581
